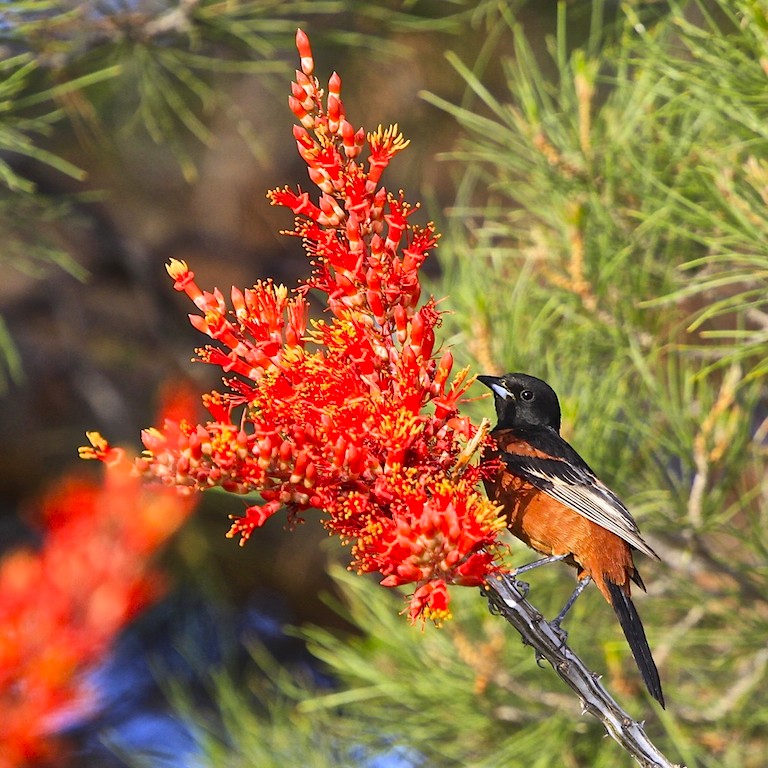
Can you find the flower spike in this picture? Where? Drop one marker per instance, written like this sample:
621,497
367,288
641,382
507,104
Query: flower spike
355,414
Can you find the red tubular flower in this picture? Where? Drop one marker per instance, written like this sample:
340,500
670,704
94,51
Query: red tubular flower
354,414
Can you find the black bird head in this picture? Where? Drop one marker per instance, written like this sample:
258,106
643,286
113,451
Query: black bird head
523,401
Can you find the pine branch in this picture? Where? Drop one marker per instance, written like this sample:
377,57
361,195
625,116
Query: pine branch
507,598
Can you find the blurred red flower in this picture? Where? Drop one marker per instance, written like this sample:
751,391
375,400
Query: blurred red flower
61,605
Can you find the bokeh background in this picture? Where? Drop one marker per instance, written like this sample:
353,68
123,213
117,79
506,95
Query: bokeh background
600,174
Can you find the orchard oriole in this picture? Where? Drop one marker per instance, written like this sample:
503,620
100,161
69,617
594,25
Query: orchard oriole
557,506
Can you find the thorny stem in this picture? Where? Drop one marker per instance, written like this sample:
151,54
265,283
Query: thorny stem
507,598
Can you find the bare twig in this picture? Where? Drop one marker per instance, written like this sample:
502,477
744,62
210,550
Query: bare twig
507,597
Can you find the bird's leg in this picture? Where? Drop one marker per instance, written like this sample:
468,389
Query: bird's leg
555,623
537,563
523,585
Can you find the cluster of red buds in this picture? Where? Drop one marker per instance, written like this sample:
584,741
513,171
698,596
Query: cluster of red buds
356,414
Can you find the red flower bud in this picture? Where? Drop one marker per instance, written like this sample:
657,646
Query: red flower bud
305,52
401,323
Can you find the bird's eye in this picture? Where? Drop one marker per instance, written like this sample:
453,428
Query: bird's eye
527,395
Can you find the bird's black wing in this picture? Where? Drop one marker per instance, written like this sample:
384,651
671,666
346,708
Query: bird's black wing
566,477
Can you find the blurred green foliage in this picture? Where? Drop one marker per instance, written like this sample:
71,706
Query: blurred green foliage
610,237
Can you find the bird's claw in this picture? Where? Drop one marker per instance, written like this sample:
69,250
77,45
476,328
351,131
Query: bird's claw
562,634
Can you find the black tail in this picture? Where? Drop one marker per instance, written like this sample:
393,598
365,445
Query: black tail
635,634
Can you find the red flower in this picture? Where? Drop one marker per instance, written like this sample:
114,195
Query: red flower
353,415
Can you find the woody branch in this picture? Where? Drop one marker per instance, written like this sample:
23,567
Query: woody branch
506,597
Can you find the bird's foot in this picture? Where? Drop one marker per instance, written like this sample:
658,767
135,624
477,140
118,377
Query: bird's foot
562,634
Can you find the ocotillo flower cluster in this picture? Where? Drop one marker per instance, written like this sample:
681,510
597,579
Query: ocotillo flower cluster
356,414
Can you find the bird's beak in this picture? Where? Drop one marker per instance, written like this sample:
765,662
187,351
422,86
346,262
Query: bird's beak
495,384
